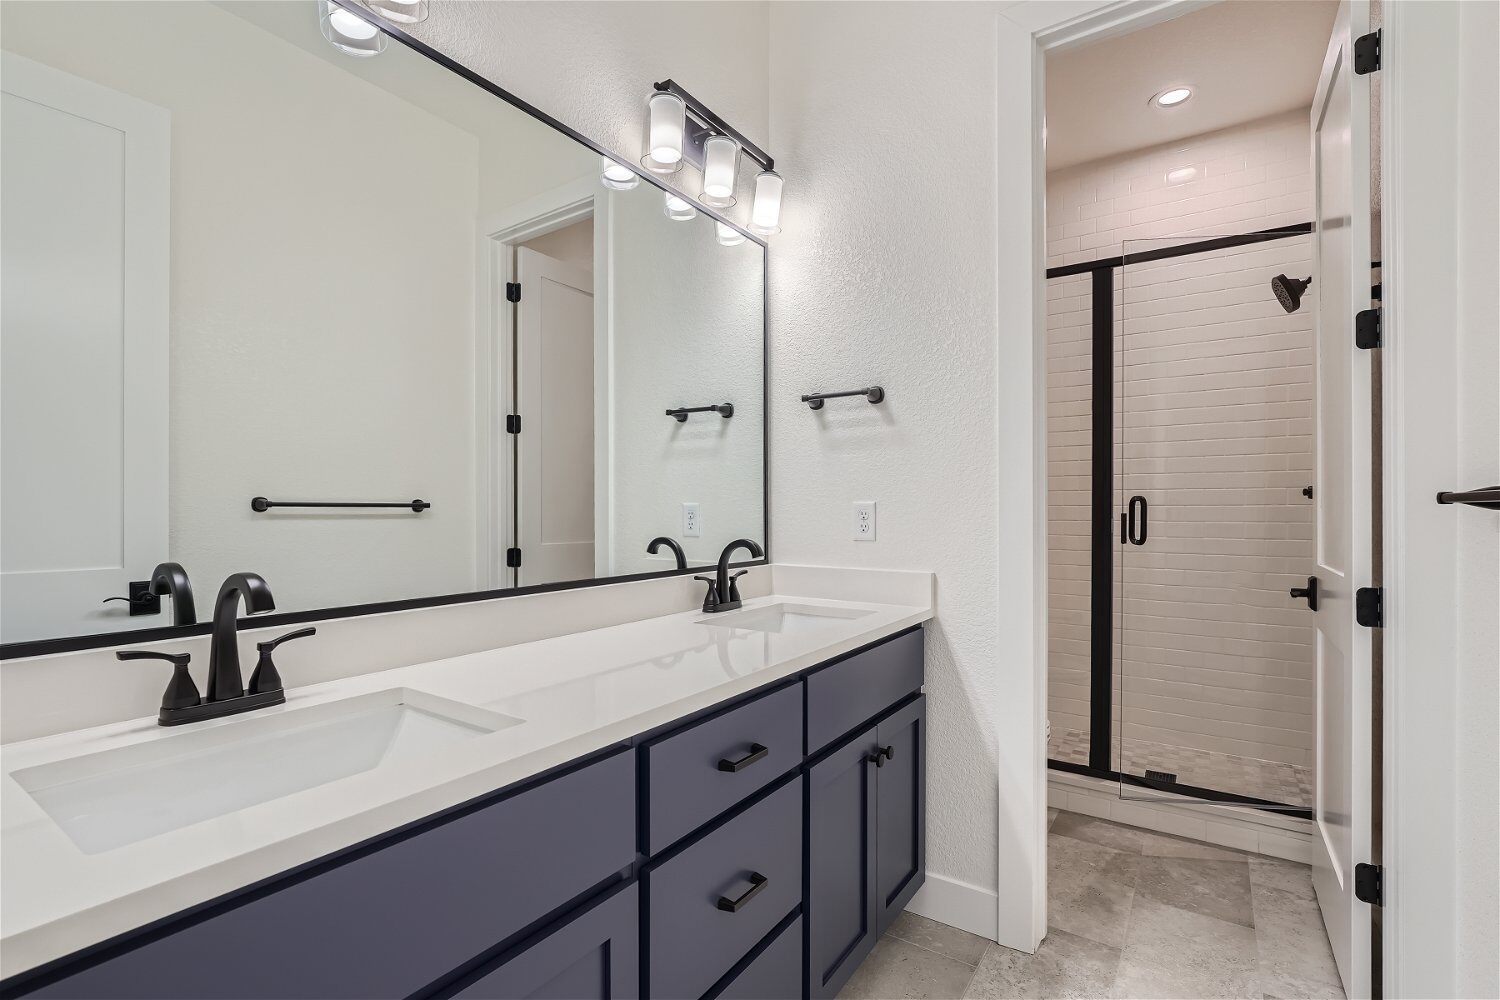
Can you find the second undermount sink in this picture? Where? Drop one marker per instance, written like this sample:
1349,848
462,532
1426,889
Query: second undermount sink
785,618
118,797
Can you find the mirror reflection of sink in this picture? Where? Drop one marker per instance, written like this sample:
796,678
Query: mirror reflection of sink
784,618
117,797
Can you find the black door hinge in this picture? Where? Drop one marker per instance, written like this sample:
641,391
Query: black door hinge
1367,607
512,558
1369,884
1367,53
513,291
1367,329
512,423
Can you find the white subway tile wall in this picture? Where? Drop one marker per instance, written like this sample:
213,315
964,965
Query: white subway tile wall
1213,424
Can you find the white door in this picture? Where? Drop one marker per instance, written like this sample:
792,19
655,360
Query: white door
83,350
555,398
1342,531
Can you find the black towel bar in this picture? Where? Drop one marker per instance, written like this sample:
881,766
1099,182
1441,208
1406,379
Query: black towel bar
725,410
260,504
814,400
1488,498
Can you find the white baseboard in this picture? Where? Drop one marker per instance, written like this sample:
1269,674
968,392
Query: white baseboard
958,904
1258,831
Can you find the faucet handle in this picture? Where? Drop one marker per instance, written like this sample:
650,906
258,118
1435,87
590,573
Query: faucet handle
734,587
301,633
265,677
181,691
711,599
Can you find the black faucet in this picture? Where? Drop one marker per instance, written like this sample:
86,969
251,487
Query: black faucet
661,540
723,589
169,579
224,678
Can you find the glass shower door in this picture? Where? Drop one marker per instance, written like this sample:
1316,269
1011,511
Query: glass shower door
1213,693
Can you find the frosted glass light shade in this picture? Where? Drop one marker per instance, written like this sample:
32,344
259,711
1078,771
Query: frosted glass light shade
765,213
679,209
348,32
666,120
400,11
721,160
727,236
617,176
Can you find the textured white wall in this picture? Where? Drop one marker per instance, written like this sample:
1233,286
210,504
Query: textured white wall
887,121
1216,429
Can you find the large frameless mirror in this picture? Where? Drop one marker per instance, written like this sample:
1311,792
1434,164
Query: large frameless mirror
343,317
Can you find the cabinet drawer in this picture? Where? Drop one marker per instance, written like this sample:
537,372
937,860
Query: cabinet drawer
695,774
392,920
853,691
594,956
774,974
693,940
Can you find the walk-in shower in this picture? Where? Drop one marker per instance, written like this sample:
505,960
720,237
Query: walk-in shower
1180,460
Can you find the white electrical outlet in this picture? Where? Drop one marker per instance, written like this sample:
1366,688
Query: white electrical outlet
692,521
862,527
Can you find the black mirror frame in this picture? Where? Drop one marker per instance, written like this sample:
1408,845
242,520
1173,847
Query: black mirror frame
69,644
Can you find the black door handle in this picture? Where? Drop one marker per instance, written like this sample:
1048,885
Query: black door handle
1310,592
757,883
756,753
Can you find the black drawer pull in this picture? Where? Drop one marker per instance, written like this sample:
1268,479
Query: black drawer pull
757,883
756,753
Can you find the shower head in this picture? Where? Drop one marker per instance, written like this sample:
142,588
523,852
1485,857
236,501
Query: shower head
1289,291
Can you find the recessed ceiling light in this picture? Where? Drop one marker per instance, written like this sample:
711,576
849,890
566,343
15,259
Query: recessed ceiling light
1173,97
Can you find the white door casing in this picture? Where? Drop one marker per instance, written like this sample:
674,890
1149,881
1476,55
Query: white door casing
84,338
1342,531
555,398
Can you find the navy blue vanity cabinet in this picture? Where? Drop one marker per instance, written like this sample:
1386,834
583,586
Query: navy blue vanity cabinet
712,901
773,973
595,955
846,694
900,793
694,774
841,897
395,918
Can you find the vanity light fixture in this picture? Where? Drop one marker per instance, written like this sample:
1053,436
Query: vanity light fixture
721,160
679,209
400,11
765,213
680,128
1172,97
728,236
348,32
666,122
617,176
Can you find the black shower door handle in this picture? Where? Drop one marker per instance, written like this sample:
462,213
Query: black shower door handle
1133,525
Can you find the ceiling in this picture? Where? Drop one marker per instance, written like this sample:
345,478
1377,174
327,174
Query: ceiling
1244,59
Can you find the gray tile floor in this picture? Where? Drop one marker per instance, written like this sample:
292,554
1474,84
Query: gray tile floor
1269,780
1132,914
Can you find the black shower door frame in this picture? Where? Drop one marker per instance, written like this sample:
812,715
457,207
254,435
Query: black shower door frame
1102,510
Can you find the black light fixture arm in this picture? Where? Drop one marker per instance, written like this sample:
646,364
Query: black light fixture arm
707,118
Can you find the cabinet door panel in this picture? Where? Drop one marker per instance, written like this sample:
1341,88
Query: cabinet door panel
900,803
595,956
841,903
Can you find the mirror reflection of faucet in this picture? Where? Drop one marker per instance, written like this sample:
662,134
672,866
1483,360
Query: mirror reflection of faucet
659,541
168,579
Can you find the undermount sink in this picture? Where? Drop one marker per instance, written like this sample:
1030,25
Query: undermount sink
117,797
784,618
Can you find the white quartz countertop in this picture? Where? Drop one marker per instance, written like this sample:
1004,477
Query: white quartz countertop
574,694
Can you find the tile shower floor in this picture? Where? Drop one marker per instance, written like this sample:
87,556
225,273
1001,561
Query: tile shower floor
1131,914
1222,772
